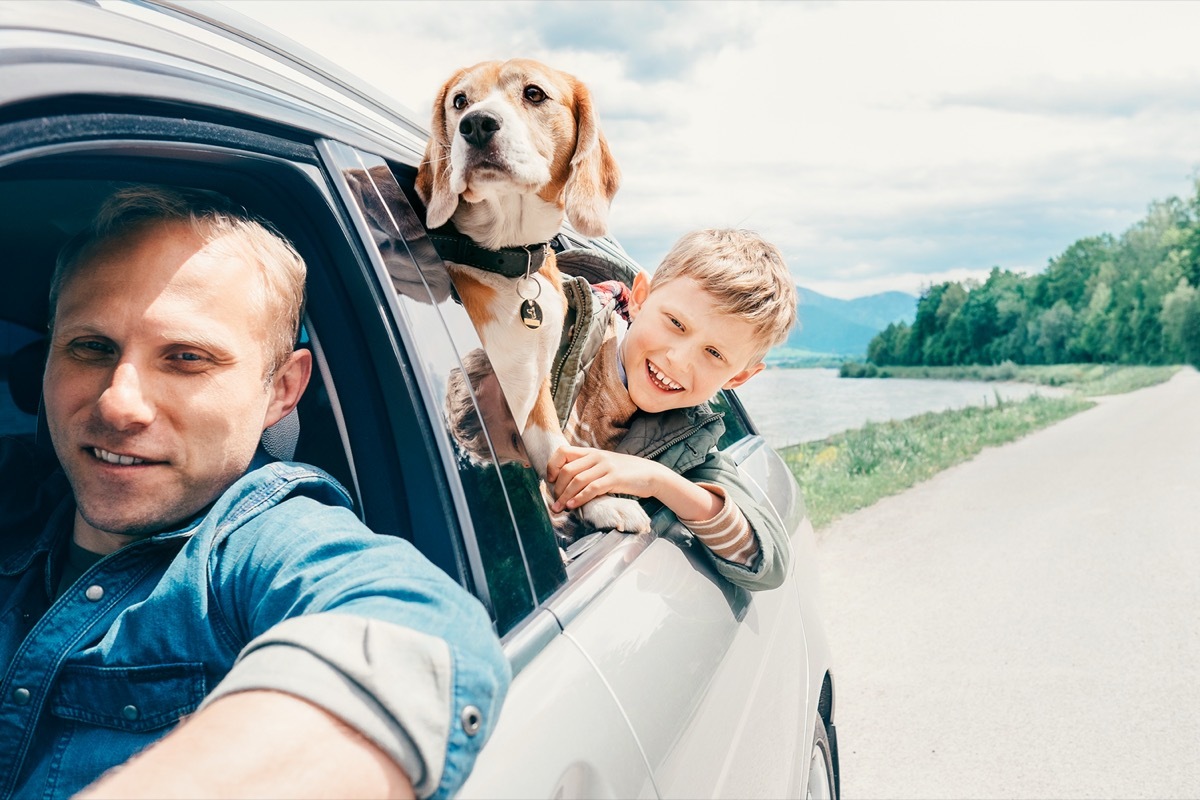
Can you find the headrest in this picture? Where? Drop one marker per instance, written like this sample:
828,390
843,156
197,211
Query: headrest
25,368
594,266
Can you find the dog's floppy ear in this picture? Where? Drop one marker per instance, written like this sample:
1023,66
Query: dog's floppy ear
433,176
594,175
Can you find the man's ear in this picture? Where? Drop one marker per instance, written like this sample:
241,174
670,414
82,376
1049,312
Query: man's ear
288,385
638,293
743,376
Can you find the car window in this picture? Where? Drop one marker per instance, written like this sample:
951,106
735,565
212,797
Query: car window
508,534
358,420
737,421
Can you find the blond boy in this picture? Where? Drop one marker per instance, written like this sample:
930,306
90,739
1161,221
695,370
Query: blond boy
637,393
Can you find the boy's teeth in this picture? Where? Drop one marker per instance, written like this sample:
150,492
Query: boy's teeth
113,458
663,379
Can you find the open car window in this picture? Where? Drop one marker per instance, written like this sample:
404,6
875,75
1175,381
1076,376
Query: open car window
510,544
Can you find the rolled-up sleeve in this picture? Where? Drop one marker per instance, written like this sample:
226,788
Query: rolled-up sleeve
365,627
393,685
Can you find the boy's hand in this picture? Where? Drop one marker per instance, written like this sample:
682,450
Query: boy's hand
579,474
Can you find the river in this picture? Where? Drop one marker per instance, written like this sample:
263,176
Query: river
790,406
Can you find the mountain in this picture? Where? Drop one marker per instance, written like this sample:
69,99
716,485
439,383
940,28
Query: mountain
829,325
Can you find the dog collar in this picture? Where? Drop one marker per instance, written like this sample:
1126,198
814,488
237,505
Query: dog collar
511,262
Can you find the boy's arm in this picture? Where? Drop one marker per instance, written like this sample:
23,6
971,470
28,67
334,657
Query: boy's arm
728,533
579,474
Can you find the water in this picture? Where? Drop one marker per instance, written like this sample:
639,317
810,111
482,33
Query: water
790,406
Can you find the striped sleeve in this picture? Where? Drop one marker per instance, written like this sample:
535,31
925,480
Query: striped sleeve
728,534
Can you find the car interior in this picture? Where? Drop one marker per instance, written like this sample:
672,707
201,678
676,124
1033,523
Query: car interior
41,215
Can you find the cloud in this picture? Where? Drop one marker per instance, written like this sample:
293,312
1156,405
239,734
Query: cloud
1097,99
654,41
872,141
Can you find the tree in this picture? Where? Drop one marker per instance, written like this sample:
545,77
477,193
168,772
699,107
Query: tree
1176,318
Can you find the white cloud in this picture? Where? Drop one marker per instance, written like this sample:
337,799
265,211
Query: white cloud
917,137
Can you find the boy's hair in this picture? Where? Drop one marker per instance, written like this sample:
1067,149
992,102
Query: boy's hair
744,272
213,217
461,414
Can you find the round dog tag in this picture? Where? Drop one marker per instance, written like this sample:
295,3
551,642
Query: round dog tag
531,315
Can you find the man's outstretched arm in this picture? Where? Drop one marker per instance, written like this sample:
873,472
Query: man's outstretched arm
257,744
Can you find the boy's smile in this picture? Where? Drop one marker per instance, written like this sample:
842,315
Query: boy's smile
681,349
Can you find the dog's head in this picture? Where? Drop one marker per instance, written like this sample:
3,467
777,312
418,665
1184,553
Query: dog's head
505,130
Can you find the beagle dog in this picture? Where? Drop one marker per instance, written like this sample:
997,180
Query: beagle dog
516,146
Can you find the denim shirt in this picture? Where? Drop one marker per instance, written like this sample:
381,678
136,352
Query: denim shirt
279,572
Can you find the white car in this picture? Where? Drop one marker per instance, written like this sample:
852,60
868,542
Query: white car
638,671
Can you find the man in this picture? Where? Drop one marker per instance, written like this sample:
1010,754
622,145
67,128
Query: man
179,573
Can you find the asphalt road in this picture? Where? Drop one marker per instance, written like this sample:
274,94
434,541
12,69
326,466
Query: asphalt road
1027,624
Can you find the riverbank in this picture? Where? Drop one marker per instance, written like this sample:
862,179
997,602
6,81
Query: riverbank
1089,380
854,469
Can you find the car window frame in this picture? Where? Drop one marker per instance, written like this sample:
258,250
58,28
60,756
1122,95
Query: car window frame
130,143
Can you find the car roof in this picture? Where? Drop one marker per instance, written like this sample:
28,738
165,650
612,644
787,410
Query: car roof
200,53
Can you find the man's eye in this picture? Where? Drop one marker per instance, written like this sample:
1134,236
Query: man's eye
460,101
187,360
534,94
91,349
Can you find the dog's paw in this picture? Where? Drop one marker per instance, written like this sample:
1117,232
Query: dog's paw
615,513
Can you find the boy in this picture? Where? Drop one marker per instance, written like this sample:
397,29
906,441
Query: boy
637,394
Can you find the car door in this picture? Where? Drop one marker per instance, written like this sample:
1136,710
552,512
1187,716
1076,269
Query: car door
561,733
712,678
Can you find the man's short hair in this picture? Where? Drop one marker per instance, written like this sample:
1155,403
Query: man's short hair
744,272
213,217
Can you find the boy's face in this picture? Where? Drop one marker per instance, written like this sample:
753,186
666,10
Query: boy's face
681,348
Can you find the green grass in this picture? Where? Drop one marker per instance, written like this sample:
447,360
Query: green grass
1090,380
853,470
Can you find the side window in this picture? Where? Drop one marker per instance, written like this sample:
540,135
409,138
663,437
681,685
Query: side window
508,535
737,423
22,355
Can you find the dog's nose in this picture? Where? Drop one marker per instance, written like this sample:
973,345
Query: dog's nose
478,128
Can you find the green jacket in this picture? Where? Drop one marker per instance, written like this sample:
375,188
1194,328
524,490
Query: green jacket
684,440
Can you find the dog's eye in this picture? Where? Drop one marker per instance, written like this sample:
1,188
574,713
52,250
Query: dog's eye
534,94
460,101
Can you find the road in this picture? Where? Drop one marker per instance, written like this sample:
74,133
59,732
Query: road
1027,624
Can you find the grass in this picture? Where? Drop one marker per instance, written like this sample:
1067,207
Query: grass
855,469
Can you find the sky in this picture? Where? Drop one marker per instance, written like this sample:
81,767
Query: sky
880,145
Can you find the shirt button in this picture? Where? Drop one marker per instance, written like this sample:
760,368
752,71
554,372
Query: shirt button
472,720
130,713
22,696
94,592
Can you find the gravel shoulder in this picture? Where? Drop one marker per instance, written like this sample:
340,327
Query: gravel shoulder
1027,624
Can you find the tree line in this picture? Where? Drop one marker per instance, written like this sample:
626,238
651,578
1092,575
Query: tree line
1130,299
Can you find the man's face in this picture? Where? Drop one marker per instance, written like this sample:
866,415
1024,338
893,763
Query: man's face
154,387
681,348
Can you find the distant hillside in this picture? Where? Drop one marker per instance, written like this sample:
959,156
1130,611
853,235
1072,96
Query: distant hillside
845,327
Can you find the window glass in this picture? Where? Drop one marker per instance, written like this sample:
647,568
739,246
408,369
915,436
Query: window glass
508,533
737,425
